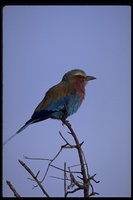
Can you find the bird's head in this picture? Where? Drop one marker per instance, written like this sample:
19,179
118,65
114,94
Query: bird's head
77,76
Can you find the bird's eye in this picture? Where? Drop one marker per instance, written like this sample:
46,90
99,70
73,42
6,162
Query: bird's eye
79,76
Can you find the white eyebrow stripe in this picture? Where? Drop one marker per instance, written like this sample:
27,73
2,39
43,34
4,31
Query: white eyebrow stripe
78,73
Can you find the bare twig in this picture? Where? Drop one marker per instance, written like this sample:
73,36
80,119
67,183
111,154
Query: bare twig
65,177
66,170
85,179
63,146
29,158
74,181
68,145
92,188
34,177
83,171
13,189
72,191
58,178
92,178
93,193
86,165
51,160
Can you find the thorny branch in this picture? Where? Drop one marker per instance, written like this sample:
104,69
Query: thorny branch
84,167
85,179
83,171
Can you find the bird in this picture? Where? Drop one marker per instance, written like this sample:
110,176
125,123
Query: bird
61,100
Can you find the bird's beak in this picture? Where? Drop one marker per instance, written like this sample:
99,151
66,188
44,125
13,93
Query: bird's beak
89,78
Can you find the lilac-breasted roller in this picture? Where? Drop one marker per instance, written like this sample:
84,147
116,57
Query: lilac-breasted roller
61,100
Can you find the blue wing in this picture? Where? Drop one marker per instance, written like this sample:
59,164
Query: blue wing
54,107
57,109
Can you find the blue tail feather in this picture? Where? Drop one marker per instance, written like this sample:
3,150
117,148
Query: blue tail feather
21,129
25,126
